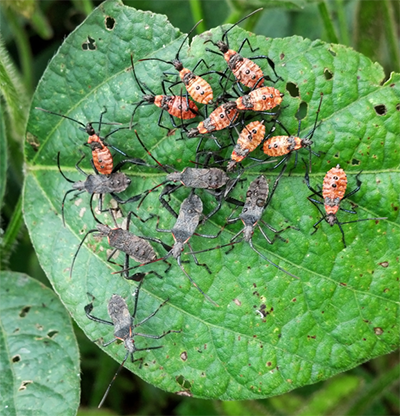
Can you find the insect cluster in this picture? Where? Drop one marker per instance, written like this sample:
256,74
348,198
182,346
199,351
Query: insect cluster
249,111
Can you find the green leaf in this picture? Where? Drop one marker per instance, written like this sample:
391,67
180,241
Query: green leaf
39,358
320,325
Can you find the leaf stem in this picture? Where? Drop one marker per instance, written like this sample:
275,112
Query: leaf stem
343,29
12,231
327,21
197,13
391,33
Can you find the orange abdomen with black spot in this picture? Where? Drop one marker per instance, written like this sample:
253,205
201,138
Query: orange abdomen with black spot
261,99
219,119
244,70
281,145
102,158
333,189
250,137
198,88
177,106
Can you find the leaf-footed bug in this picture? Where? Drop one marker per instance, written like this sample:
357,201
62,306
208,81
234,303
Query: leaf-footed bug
198,88
102,158
333,193
185,226
124,327
256,202
286,145
174,105
112,183
208,179
245,70
133,246
221,118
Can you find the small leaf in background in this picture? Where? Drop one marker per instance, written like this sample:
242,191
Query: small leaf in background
3,159
39,358
313,328
14,94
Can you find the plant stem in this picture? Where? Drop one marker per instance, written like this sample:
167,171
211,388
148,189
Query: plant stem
327,21
197,13
343,30
393,45
12,231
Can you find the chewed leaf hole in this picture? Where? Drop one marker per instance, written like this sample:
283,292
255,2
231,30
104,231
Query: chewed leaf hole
380,110
24,311
336,155
398,107
52,334
109,22
16,358
24,384
331,52
355,162
89,45
302,111
328,74
186,384
293,89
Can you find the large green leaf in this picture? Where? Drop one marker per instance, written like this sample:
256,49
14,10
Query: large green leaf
39,358
344,308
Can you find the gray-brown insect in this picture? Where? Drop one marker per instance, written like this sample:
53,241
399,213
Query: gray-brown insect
185,226
124,326
113,183
256,202
137,248
196,178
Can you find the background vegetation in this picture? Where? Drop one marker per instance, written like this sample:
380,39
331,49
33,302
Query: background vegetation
32,32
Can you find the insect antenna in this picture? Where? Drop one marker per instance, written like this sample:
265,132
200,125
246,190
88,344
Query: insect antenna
112,381
60,115
241,20
79,247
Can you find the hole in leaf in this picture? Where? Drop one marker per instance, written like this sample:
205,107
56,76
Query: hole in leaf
398,107
380,109
336,155
16,358
51,334
24,384
355,162
89,45
186,384
184,356
24,311
378,330
293,89
384,264
109,22
16,330
282,55
302,111
328,74
331,52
